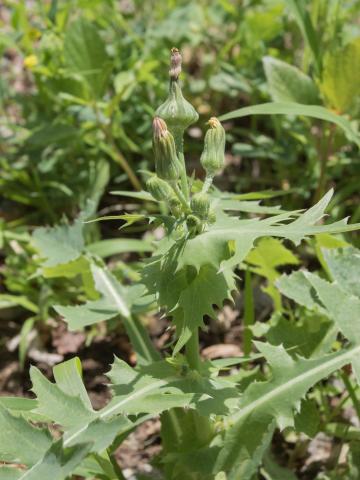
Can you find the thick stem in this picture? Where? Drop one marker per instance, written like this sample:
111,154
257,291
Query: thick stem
192,351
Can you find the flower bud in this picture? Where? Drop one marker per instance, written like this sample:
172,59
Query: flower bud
200,205
193,223
158,188
212,216
167,164
177,112
175,207
213,155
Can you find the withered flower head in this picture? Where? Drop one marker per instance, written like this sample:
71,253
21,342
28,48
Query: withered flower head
175,64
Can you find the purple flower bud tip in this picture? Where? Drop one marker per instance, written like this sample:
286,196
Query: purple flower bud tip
159,127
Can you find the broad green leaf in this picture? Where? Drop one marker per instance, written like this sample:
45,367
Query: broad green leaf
310,335
141,392
68,376
10,473
269,254
79,266
265,404
289,84
85,55
57,405
57,463
160,386
336,300
296,287
207,289
58,133
100,433
221,247
341,76
327,241
308,418
21,442
248,207
107,248
341,306
18,404
212,246
290,108
344,267
59,244
116,300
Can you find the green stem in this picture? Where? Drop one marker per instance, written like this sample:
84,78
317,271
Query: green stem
183,177
192,351
351,391
249,313
180,196
178,134
207,184
113,151
140,341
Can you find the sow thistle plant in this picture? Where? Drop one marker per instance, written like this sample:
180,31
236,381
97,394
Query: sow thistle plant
213,425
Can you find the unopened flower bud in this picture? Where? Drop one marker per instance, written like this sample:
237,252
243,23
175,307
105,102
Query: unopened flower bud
177,112
213,155
200,205
167,164
158,188
212,216
193,223
175,207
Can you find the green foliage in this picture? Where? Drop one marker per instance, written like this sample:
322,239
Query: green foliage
92,73
341,78
85,56
293,108
288,83
264,259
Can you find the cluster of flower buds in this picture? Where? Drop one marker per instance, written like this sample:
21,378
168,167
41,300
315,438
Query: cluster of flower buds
159,189
172,118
